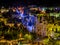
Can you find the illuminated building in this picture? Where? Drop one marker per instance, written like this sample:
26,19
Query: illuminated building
27,20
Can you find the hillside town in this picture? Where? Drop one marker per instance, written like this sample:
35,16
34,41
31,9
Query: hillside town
30,25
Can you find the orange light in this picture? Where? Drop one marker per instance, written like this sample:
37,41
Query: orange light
42,11
14,10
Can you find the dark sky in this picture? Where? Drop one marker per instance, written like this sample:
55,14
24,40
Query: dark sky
30,2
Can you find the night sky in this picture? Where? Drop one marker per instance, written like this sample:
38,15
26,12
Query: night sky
29,2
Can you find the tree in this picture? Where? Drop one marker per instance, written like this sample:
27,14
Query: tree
11,35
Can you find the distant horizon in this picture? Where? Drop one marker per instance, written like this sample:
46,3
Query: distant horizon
17,5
